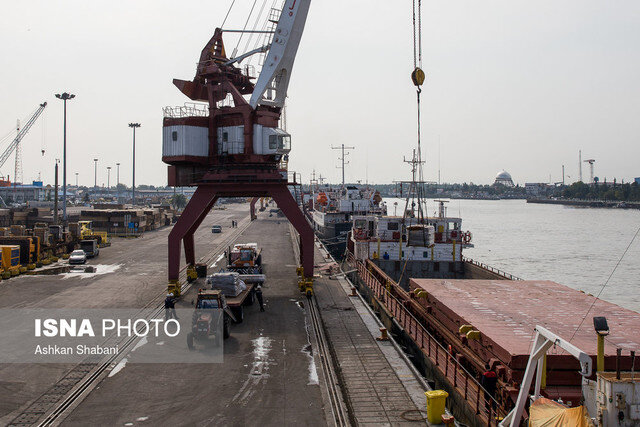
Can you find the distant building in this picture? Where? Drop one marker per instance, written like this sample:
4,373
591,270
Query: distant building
22,193
503,177
535,189
637,180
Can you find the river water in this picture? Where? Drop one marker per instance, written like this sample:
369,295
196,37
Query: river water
577,247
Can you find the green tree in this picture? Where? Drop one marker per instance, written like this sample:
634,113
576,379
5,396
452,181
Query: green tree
178,201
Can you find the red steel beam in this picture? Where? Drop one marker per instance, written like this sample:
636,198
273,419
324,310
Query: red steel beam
205,197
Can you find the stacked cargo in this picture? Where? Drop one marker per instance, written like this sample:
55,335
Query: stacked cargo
126,221
17,230
5,217
228,283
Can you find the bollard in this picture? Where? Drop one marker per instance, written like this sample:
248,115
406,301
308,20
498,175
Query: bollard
353,292
383,335
448,420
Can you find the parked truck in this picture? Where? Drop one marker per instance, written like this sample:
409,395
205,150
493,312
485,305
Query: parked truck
90,247
245,258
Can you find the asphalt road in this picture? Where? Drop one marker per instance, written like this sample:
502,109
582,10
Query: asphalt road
264,380
130,273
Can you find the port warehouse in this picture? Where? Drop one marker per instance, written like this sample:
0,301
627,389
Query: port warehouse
452,327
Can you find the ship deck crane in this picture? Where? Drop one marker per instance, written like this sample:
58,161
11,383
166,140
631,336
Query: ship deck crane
232,146
21,133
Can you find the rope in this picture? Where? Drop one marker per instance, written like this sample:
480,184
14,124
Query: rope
255,26
235,51
228,12
606,283
415,60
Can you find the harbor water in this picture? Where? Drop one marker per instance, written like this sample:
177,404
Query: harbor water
577,247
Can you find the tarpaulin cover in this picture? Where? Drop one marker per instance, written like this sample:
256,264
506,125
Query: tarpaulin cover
547,413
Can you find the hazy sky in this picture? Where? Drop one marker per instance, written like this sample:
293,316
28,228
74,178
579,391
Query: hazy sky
518,85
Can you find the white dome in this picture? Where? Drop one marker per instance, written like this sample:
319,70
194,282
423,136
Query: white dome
503,175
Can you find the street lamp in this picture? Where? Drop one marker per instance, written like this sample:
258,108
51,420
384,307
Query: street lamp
133,187
118,179
65,97
109,178
95,174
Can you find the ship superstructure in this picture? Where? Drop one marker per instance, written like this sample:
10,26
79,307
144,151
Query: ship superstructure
334,208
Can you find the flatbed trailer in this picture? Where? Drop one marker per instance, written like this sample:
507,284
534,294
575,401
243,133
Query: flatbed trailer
237,303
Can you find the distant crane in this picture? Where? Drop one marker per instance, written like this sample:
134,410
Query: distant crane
591,162
21,133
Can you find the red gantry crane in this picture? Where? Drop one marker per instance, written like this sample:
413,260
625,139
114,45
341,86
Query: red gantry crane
232,146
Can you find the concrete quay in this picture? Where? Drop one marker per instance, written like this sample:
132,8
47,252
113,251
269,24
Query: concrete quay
375,383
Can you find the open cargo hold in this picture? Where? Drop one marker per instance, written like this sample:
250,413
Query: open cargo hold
505,314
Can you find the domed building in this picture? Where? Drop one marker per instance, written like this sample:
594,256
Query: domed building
503,177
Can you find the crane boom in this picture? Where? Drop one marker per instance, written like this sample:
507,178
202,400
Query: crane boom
276,70
7,152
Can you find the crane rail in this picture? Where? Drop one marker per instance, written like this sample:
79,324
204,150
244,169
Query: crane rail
332,382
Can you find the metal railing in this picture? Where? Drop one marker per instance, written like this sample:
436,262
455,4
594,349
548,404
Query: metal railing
189,109
459,378
491,269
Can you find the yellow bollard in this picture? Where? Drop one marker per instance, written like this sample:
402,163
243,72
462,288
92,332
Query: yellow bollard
436,403
384,336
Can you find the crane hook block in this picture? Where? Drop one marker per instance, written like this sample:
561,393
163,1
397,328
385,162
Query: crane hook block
417,76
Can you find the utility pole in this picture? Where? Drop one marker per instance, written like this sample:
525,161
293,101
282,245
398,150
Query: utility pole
133,187
342,157
95,174
65,97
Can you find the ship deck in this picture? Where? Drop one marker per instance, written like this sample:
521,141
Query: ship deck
506,313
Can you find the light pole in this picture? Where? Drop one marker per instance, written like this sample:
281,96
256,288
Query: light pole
95,174
109,178
118,179
133,187
55,197
65,97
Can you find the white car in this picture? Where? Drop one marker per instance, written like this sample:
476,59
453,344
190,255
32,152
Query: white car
78,257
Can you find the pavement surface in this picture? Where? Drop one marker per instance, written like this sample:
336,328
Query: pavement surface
264,380
130,273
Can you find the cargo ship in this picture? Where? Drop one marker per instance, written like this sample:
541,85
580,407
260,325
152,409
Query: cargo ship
458,319
331,212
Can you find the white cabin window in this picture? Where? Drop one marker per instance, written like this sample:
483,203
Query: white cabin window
279,142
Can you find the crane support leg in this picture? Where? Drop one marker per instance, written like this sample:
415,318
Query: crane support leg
192,216
252,207
285,201
189,248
